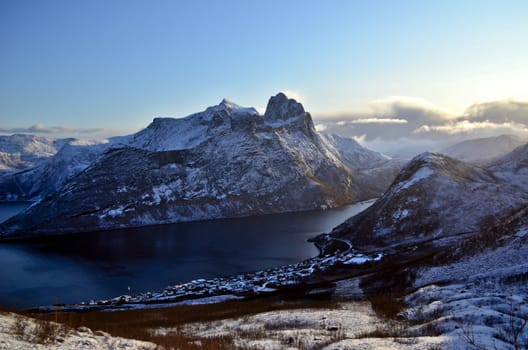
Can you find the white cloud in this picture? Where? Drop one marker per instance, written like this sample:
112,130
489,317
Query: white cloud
498,112
469,127
406,125
378,121
391,104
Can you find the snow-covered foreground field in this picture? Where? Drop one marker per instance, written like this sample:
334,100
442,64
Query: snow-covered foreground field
20,333
345,327
485,303
479,302
454,316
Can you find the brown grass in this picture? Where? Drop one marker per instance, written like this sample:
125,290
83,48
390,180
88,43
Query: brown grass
386,305
137,324
390,329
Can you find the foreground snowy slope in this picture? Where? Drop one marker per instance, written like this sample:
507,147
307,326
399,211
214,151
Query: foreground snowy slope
457,239
18,332
227,161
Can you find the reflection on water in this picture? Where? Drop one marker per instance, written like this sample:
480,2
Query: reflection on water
99,265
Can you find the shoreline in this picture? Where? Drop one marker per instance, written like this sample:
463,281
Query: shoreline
304,277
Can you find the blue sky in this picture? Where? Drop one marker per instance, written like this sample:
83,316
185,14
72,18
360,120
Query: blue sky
117,64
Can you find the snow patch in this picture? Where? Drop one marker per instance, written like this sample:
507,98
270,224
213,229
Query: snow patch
421,174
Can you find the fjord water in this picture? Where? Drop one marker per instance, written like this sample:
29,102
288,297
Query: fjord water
81,267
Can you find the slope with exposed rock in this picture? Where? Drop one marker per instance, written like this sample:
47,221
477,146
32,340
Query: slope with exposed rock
436,197
227,161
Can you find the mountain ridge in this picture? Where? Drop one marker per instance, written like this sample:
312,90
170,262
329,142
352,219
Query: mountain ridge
435,197
226,161
483,150
22,151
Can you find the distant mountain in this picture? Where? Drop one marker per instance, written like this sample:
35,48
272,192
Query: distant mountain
515,162
438,199
227,161
483,150
372,170
21,151
49,174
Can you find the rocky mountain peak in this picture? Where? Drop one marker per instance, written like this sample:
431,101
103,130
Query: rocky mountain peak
229,105
280,108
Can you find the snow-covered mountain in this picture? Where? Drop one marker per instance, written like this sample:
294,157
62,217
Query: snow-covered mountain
227,161
483,150
51,173
436,198
20,151
373,170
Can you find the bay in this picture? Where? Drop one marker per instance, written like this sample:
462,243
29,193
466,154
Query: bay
99,265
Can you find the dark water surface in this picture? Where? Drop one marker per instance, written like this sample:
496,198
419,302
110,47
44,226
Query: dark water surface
100,265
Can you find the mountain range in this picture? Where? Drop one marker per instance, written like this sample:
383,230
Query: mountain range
483,150
226,161
21,151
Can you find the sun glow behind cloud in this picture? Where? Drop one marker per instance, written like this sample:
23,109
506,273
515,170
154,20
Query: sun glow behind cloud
378,121
390,104
468,127
413,125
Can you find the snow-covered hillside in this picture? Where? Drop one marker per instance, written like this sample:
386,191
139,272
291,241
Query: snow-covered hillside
483,150
19,332
373,170
21,151
457,239
226,161
50,174
435,197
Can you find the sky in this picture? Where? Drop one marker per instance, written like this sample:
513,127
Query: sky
91,68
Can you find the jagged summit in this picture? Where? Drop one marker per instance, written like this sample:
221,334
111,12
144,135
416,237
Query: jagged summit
280,107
